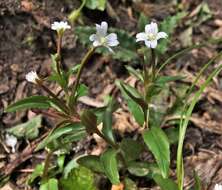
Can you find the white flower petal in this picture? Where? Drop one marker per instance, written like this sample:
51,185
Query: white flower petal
147,43
93,37
101,30
11,141
142,36
218,187
153,43
62,25
151,28
111,40
111,37
96,43
113,43
31,77
161,35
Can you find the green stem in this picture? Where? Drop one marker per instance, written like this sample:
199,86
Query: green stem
61,104
46,165
82,65
58,61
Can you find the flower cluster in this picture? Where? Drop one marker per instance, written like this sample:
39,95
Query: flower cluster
60,27
102,38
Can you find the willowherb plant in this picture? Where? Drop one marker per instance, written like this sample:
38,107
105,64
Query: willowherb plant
73,124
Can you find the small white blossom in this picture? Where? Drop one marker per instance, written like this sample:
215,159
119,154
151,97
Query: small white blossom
60,27
151,35
218,187
31,77
11,141
101,38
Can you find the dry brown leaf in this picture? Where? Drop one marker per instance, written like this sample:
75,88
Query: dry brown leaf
27,5
9,186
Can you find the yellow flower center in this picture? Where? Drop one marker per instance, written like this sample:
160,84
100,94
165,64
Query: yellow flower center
151,36
103,40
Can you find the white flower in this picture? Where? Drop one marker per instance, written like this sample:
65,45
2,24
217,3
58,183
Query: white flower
60,27
101,38
218,187
11,141
151,35
31,77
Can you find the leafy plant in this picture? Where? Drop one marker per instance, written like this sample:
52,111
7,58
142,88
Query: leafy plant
123,156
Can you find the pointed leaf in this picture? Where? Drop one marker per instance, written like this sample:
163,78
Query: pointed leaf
92,162
89,120
158,143
133,106
165,183
139,168
131,149
108,121
51,184
28,130
79,178
41,102
109,163
76,129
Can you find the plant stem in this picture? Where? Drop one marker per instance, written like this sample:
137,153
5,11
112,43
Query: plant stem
58,61
46,165
61,104
153,63
82,64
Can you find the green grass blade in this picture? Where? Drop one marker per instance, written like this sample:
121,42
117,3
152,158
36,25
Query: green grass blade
186,117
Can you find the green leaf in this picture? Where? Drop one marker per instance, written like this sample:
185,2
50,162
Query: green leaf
134,95
165,183
75,129
125,52
28,130
165,79
158,143
133,106
139,168
107,120
79,178
40,102
143,21
51,184
69,167
131,149
135,73
89,120
197,185
36,173
109,163
82,90
129,184
98,4
91,162
60,162
172,134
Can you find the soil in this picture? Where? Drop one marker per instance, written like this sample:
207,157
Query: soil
27,42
